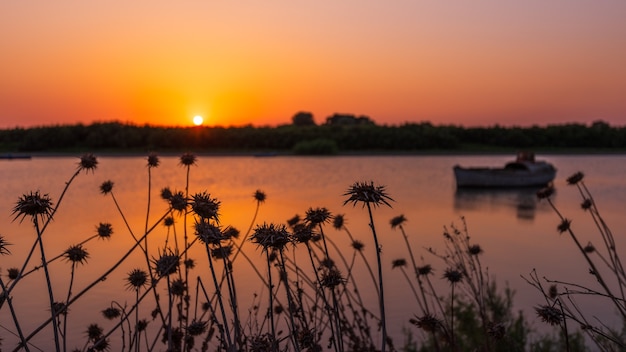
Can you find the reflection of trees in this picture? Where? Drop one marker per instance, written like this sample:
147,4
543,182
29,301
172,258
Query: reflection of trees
521,200
348,132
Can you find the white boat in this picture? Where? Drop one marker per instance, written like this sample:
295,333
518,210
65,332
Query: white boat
525,171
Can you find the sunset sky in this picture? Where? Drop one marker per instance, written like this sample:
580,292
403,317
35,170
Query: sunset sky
472,63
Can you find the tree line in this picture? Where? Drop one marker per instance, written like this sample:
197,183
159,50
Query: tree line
327,138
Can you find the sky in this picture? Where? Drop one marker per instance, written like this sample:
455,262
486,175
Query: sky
470,63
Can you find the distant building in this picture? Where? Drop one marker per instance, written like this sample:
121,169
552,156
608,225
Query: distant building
348,119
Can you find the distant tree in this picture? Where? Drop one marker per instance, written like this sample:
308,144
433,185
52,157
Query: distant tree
303,118
348,119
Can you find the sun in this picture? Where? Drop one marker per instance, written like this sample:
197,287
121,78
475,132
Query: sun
198,120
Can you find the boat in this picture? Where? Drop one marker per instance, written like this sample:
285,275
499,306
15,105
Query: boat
525,171
14,156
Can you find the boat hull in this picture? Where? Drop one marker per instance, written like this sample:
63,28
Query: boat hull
502,177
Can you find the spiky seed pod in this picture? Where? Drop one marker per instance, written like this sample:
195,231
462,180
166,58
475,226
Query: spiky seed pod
141,325
166,264
207,232
424,270
197,328
427,322
278,309
293,221
327,263
111,313
34,205
59,308
204,206
3,246
106,187
189,263
153,160
397,221
575,178
306,339
13,273
317,216
101,345
176,335
272,236
104,230
367,193
76,254
259,196
88,162
166,193
331,278
230,232
564,225
188,159
589,248
357,245
136,279
545,192
549,314
302,233
222,252
168,221
338,221
178,201
94,332
452,275
206,306
496,330
474,249
586,204
178,287
398,263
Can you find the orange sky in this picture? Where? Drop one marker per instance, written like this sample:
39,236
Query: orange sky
260,62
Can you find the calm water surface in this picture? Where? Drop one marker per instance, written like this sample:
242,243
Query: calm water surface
517,233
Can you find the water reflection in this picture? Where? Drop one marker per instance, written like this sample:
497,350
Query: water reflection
521,200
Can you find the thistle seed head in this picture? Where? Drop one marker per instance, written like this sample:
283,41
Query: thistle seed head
104,230
452,275
317,216
549,314
424,270
338,221
34,205
207,232
367,193
166,193
398,263
178,201
474,249
358,245
136,279
546,192
153,160
197,328
88,162
553,292
427,322
331,278
189,263
94,332
564,225
586,204
142,325
76,254
230,232
397,221
302,233
272,236
168,221
106,187
259,196
575,178
222,252
178,287
3,246
188,159
111,313
204,206
589,248
166,264
13,273
293,221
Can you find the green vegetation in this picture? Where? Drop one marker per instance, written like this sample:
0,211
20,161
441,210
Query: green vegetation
350,134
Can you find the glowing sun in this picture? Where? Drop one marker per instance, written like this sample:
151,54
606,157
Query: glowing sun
198,120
